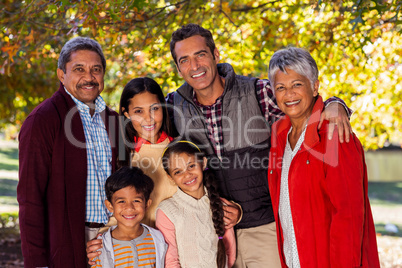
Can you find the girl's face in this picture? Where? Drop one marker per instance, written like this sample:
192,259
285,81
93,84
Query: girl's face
187,173
146,115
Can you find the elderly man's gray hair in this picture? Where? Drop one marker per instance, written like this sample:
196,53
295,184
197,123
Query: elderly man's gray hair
296,59
79,43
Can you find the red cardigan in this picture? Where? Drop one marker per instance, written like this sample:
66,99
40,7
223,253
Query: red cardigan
52,183
328,196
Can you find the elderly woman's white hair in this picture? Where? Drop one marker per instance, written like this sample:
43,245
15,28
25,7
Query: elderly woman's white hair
296,59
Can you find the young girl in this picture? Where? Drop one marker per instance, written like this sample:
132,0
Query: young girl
146,129
192,219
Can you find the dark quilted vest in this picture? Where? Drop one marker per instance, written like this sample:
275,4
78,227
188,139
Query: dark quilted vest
242,170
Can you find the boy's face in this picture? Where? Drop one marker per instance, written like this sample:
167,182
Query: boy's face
128,207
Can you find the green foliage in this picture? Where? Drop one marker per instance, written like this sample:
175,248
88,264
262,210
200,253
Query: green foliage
9,220
356,45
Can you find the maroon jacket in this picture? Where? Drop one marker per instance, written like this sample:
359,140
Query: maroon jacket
328,196
52,182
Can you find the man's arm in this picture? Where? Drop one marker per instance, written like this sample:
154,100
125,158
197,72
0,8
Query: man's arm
35,152
232,213
170,110
338,114
336,111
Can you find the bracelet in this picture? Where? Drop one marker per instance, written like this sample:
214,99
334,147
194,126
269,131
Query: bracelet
241,211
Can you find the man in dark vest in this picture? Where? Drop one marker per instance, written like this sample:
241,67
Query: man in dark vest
68,148
229,117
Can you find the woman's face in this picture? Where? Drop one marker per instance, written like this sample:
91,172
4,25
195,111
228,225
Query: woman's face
146,115
294,94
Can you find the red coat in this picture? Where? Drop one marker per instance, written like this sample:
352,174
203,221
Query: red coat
328,196
52,183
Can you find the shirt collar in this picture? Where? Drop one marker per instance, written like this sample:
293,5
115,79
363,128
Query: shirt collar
100,104
218,100
138,141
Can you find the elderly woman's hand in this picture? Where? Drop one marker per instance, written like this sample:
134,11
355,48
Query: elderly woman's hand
336,114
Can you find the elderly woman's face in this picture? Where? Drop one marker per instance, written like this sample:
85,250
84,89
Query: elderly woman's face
294,94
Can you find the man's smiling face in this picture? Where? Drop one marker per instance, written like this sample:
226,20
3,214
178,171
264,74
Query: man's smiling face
84,75
196,64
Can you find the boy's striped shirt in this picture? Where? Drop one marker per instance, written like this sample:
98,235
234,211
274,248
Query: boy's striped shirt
139,252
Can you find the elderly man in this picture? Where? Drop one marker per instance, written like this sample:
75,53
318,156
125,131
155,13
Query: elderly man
226,115
67,150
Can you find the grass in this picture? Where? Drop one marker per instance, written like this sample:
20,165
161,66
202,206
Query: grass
380,229
9,159
385,193
8,181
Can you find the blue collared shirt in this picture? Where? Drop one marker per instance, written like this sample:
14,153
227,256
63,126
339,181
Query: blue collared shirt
99,159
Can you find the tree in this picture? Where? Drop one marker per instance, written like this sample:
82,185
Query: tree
355,44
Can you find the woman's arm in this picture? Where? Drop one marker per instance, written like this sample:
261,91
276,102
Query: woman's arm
229,240
168,230
345,173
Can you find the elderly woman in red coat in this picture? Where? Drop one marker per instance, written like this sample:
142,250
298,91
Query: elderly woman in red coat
318,186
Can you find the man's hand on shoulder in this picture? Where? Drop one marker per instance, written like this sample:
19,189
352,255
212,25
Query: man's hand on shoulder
336,114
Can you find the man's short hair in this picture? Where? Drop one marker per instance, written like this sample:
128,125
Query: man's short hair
129,177
188,31
79,43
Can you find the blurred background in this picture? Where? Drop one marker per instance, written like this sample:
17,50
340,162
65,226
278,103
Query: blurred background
356,44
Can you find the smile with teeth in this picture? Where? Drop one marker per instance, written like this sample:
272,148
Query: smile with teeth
129,217
190,182
198,75
292,102
149,127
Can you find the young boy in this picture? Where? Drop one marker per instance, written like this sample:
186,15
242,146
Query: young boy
130,243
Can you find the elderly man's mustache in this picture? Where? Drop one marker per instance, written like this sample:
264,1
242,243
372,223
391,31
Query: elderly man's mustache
88,84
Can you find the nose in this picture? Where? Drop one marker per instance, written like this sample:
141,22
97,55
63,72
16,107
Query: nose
148,115
130,205
89,76
188,173
194,64
289,91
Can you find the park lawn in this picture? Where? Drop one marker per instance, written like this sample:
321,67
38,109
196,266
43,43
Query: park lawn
8,177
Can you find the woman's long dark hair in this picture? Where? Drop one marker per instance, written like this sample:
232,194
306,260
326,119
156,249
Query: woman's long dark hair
209,179
127,131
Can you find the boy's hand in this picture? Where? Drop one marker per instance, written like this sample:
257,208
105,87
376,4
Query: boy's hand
92,247
231,213
336,115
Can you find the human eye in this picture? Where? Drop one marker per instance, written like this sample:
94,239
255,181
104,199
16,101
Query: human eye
138,111
192,166
280,88
183,61
177,172
120,202
201,55
155,108
97,69
298,84
79,69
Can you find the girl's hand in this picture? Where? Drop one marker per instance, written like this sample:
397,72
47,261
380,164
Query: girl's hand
92,247
232,213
